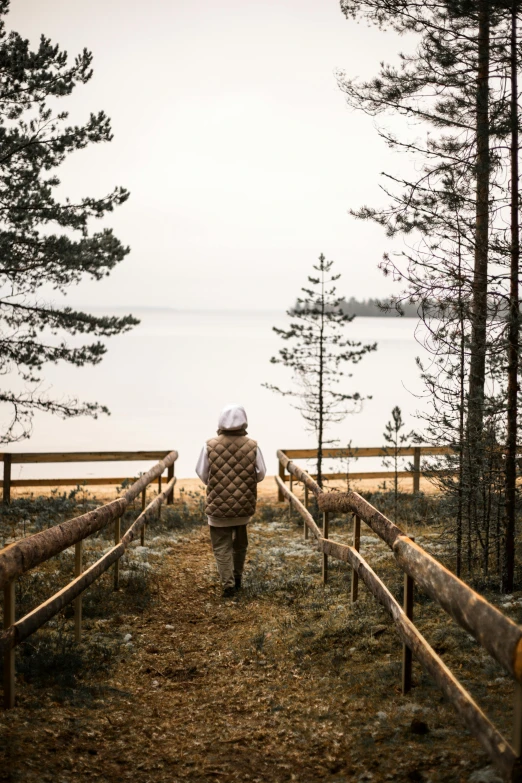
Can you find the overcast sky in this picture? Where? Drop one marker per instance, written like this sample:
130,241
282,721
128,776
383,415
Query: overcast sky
240,153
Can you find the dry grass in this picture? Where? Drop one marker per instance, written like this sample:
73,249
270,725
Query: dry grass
288,682
267,489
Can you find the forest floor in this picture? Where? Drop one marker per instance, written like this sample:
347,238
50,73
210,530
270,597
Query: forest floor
286,682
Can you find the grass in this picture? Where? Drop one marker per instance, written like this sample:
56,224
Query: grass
27,515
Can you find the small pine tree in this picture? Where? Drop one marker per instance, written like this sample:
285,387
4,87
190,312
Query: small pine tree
395,439
351,455
318,354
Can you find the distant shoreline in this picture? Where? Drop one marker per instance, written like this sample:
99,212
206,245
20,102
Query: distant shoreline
369,308
363,309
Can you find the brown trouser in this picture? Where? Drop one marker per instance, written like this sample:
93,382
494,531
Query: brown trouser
229,545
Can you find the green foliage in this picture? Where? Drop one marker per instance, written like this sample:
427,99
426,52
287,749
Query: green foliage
45,241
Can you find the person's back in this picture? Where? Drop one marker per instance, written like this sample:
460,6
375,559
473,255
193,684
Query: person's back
232,481
231,465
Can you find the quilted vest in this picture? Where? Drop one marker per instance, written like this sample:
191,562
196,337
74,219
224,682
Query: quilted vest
232,480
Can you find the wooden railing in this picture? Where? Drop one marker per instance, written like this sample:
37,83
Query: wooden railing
354,453
499,635
23,555
9,459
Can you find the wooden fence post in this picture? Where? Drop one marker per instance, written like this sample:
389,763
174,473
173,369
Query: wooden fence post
325,557
170,476
416,469
305,526
356,546
407,658
280,496
291,488
517,720
78,568
143,503
159,493
7,479
9,655
117,539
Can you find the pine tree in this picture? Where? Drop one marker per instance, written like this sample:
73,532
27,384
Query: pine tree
395,439
513,327
460,269
317,354
45,240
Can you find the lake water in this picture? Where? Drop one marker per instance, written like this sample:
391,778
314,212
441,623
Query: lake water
166,381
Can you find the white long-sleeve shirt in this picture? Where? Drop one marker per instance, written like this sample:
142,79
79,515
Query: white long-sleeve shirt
203,469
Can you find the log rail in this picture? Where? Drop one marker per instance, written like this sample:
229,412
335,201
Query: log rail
499,635
21,556
47,457
403,451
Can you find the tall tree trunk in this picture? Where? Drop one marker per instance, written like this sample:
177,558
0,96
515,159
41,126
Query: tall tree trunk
488,506
469,520
477,368
320,427
396,476
508,564
462,401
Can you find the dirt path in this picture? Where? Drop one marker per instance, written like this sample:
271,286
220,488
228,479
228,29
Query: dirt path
287,683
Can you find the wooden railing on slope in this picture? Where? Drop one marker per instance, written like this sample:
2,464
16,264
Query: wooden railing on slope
499,635
23,555
354,453
38,457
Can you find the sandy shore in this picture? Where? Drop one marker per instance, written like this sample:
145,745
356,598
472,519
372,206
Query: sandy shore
267,489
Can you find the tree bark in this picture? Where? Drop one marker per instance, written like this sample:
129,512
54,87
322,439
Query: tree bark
508,564
477,368
462,403
321,391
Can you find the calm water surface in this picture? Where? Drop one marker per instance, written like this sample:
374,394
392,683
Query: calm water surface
166,381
